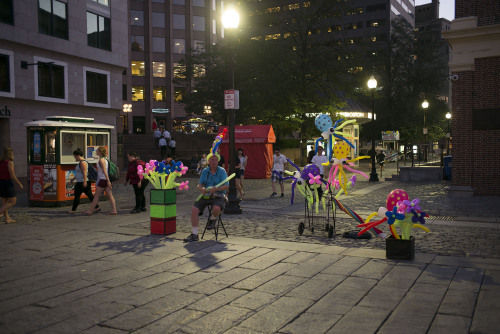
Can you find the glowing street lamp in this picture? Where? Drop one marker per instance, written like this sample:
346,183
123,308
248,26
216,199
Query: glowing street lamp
372,85
448,134
425,105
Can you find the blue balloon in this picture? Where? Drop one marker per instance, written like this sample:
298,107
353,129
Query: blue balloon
323,122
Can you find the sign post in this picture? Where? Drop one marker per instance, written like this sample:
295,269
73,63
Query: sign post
231,99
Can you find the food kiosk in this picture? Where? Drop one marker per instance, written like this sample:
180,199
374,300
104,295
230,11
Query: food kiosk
51,164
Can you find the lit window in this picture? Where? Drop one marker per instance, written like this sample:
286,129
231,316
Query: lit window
179,45
179,71
198,71
159,69
159,93
137,17
137,93
138,68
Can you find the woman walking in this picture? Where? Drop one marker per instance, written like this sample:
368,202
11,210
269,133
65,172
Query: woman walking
82,186
241,160
103,183
7,190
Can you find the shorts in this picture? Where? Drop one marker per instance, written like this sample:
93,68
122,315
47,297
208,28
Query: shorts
102,184
276,178
7,189
217,201
239,173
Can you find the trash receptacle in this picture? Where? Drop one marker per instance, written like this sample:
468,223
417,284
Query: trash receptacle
447,167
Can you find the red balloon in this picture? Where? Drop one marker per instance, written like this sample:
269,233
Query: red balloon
395,196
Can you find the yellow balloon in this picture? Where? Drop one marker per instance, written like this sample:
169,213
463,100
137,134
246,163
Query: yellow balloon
341,150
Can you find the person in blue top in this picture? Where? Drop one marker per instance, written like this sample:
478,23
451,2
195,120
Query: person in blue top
213,195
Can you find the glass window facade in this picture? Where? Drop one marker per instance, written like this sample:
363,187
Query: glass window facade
159,93
97,87
199,3
158,20
198,46
53,18
158,44
5,73
159,69
51,80
102,2
179,21
98,31
6,11
198,23
179,45
179,71
137,67
137,17
178,2
137,93
137,43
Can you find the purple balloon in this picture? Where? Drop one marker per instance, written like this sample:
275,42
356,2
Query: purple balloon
311,168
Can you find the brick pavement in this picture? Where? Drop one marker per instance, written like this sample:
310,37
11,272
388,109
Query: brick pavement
107,274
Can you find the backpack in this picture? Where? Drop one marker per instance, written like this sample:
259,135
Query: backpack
113,171
91,173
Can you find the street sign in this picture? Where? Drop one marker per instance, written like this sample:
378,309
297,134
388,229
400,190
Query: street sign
231,99
160,111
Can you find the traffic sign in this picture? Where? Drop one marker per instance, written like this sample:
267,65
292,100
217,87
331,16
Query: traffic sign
231,99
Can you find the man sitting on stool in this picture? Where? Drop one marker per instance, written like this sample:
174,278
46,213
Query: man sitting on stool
215,196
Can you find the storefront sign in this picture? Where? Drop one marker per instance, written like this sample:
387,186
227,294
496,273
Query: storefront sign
36,183
390,135
5,112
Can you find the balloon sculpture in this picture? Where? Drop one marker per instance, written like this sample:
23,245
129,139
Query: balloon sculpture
328,131
162,175
399,211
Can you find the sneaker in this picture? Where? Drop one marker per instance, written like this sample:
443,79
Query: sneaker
274,195
282,195
143,209
211,224
135,211
192,237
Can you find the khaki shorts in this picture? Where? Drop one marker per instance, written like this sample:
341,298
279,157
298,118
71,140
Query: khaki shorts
217,201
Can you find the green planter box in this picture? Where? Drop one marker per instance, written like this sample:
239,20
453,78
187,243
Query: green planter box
162,196
163,211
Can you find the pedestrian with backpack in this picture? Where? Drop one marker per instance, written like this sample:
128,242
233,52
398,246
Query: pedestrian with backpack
138,184
103,182
83,184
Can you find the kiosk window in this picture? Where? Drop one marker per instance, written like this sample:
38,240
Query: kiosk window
50,147
70,141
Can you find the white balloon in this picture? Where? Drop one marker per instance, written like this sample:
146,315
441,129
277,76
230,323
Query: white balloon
381,212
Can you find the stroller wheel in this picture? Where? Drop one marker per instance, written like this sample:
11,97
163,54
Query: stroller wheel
301,228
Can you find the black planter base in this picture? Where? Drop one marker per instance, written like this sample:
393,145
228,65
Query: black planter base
398,249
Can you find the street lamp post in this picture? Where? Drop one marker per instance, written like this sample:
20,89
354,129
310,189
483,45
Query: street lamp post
372,85
448,134
425,105
230,20
127,108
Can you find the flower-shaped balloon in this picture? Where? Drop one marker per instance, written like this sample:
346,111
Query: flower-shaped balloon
418,217
184,169
393,215
176,166
314,179
184,185
140,171
413,205
353,180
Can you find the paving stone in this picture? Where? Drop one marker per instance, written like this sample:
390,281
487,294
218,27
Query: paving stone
445,323
437,274
486,319
345,266
491,280
221,281
241,330
343,297
125,279
374,269
108,296
271,318
143,315
458,302
383,297
102,330
402,275
467,279
350,323
264,276
218,321
254,300
106,275
217,300
268,259
237,260
310,322
316,287
156,279
281,284
171,323
314,265
66,298
299,257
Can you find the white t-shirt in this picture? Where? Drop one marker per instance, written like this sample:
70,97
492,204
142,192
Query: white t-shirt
279,163
243,162
162,142
166,134
157,134
318,160
100,172
172,143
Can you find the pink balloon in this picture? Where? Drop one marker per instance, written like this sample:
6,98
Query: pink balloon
395,196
